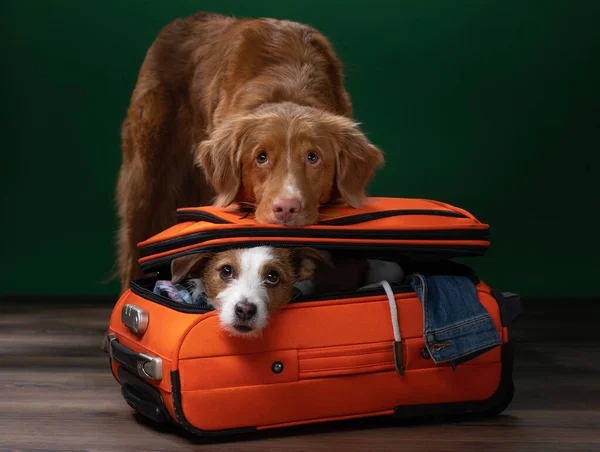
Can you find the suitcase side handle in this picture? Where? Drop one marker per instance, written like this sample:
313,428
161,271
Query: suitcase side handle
144,365
510,306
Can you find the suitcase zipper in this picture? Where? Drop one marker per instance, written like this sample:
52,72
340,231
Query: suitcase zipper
197,238
454,250
147,294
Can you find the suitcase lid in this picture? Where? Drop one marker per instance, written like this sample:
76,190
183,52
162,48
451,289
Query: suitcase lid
415,227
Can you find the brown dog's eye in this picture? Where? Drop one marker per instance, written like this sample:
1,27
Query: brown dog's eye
273,278
226,272
312,158
261,158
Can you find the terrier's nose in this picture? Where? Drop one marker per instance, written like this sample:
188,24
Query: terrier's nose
285,210
245,310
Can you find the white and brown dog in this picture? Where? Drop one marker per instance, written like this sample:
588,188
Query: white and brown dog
246,285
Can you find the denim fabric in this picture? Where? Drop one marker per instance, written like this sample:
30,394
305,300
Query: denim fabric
457,328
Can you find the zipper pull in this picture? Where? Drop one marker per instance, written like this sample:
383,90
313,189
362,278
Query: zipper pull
398,357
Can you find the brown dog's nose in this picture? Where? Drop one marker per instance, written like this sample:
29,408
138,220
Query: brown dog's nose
245,310
285,210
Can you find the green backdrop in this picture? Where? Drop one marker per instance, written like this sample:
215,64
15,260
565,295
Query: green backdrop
489,105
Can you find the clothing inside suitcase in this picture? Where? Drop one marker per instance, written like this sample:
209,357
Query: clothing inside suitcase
144,286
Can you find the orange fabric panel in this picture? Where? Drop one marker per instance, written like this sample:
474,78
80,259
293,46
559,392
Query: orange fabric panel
238,370
343,351
311,399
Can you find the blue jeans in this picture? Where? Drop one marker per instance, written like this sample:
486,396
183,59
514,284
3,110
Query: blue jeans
457,328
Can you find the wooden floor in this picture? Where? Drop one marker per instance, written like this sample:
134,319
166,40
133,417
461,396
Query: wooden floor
56,393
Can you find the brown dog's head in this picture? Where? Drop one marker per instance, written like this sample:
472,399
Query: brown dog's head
287,160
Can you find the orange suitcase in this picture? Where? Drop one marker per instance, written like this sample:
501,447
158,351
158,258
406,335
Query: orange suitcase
318,360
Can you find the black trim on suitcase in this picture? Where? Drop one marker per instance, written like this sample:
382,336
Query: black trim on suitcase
510,306
198,215
142,397
440,252
126,357
276,233
364,217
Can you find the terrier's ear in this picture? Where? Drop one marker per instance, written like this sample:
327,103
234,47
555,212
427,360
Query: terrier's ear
186,265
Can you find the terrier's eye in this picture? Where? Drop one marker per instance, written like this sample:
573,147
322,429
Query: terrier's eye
226,272
273,278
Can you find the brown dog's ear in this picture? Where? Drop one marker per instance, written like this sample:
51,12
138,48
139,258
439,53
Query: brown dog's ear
183,266
334,72
306,261
219,159
357,160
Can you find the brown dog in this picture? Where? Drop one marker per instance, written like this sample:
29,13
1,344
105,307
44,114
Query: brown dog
260,106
